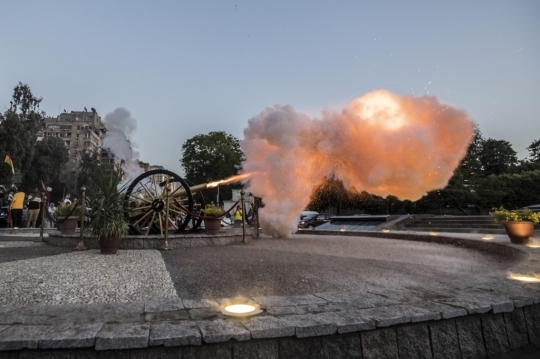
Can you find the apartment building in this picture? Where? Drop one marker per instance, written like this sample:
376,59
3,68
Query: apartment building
81,131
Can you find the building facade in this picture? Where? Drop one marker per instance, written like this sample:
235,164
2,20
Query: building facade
81,131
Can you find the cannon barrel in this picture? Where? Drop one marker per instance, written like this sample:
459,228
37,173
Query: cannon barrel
183,191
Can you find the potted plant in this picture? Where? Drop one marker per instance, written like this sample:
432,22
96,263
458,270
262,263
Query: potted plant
67,216
212,218
519,224
107,222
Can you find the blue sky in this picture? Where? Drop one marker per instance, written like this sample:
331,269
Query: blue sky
184,68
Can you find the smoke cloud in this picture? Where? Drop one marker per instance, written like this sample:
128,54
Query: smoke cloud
120,125
381,143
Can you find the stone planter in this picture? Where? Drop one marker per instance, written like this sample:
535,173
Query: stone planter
67,225
212,225
110,245
519,232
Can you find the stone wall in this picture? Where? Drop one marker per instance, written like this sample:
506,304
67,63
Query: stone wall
473,336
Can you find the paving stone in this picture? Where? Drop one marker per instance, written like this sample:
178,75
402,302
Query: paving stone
223,330
381,343
269,327
346,322
202,303
160,353
168,305
53,354
274,301
166,316
532,318
359,299
398,314
473,305
268,349
401,296
345,346
70,336
495,337
129,312
306,299
174,334
471,341
446,311
413,342
306,348
17,337
516,328
280,311
203,314
122,336
308,326
444,340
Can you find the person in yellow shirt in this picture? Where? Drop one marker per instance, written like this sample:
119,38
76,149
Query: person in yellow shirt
238,217
16,208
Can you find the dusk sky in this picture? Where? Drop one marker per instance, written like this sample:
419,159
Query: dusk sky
183,68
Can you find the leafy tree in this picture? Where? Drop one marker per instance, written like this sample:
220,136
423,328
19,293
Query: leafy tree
497,156
89,167
534,151
18,129
210,157
330,193
48,157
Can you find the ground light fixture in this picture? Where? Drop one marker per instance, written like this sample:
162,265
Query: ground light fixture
524,278
487,237
433,233
385,230
240,307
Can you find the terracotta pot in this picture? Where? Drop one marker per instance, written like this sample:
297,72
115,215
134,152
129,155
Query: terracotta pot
212,225
109,245
68,225
519,232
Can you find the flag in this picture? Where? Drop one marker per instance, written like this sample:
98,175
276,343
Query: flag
9,161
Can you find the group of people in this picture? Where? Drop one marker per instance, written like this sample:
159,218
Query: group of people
27,208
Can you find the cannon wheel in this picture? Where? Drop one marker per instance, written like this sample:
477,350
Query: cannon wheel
145,203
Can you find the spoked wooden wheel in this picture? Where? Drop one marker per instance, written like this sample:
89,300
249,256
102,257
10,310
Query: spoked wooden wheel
198,204
146,201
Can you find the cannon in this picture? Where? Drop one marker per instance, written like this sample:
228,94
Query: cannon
145,207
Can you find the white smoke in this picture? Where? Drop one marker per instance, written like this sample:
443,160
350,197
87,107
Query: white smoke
120,125
382,143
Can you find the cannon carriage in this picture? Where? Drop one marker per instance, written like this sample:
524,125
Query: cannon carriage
146,201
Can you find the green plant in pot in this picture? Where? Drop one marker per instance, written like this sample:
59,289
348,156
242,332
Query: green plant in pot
212,218
519,224
67,216
107,221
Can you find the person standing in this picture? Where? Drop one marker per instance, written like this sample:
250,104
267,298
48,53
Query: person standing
66,199
33,208
16,208
238,217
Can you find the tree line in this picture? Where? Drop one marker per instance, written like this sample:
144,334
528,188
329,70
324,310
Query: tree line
490,175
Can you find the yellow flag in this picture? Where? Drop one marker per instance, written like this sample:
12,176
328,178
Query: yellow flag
9,161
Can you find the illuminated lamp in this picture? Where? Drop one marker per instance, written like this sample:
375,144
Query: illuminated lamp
240,307
386,230
487,237
433,233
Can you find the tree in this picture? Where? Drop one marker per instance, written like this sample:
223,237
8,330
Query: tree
210,157
330,193
534,151
48,157
18,129
497,157
89,167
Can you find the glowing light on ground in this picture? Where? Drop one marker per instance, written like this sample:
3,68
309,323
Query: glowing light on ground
524,278
433,233
533,245
487,237
386,230
240,307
